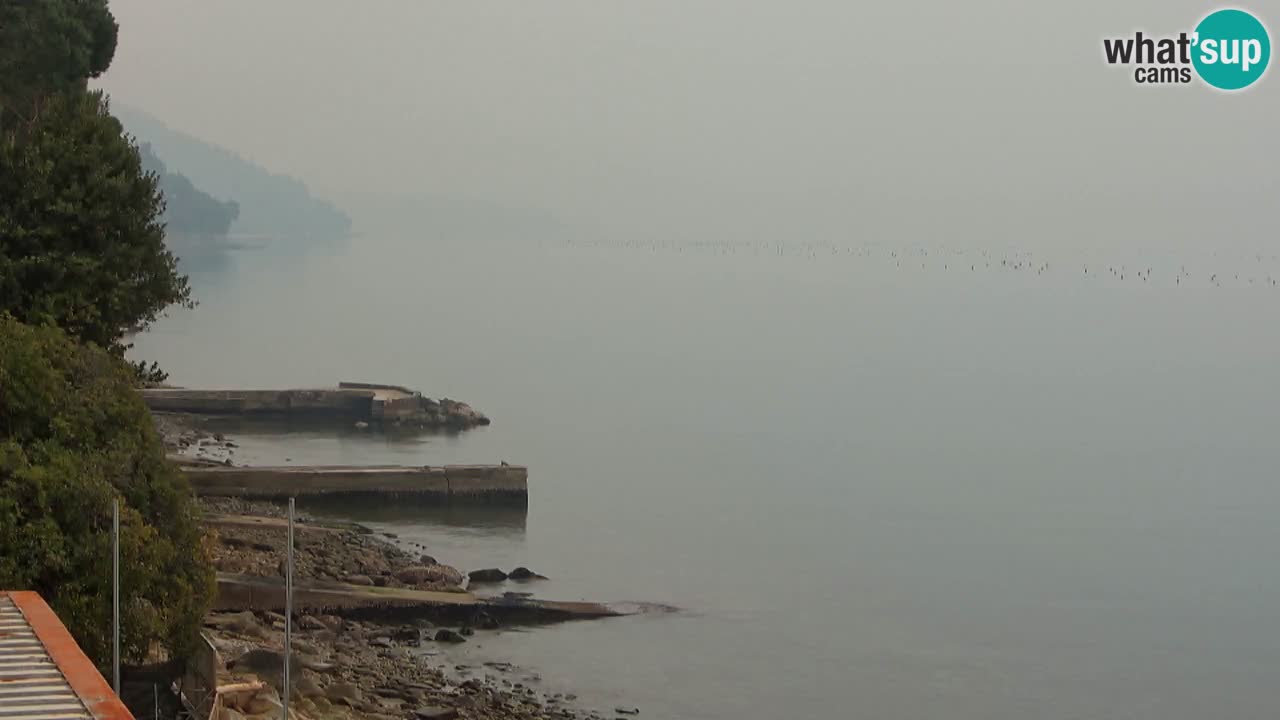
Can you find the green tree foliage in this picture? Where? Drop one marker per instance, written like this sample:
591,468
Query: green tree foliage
48,47
81,242
74,435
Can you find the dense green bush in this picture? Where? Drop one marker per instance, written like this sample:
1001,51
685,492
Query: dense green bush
74,435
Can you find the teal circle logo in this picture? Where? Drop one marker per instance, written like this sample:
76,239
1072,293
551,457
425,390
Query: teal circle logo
1232,49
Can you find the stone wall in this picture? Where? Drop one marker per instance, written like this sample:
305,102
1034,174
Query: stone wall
450,483
349,403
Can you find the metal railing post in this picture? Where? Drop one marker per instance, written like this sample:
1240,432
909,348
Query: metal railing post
288,615
115,596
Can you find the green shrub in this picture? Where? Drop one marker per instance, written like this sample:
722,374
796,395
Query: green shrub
74,435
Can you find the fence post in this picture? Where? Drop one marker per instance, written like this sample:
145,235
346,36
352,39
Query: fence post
288,615
115,596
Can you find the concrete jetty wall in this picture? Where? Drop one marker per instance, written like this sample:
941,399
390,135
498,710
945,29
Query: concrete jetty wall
359,401
449,483
347,402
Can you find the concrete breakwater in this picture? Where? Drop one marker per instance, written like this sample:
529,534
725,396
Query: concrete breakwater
447,484
367,402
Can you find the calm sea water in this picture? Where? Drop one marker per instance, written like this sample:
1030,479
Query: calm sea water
912,480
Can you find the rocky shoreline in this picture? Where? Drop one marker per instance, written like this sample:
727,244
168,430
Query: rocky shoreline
346,554
366,668
347,667
185,435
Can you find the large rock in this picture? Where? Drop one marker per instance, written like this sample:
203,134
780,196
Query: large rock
524,574
266,664
307,622
306,648
407,635
429,575
461,415
484,621
449,636
488,575
307,688
344,692
436,713
314,664
243,623
358,580
265,704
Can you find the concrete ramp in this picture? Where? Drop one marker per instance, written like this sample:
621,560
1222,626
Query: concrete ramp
244,592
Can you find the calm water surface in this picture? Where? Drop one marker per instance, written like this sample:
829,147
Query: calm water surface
880,480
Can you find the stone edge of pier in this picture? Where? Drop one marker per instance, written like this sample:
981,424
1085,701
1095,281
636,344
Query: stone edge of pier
448,483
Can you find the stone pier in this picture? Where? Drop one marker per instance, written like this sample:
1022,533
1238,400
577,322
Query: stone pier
506,484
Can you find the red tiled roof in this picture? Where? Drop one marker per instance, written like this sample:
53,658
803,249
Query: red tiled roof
43,673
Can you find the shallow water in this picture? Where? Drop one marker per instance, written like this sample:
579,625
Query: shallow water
879,480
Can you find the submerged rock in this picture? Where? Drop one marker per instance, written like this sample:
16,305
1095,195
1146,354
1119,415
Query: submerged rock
449,636
485,621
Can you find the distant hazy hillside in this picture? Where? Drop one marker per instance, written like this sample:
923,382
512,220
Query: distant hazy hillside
189,211
276,206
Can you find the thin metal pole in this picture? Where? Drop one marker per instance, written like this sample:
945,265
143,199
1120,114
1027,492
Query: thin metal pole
115,596
288,615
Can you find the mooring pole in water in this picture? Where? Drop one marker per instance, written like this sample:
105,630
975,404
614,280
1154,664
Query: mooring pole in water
115,596
288,615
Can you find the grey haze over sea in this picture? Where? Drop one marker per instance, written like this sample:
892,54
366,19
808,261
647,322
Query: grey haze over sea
923,360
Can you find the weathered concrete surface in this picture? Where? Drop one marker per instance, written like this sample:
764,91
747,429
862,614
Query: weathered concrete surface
246,592
350,401
479,483
335,401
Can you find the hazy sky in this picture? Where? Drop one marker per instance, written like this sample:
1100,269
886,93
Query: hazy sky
721,118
